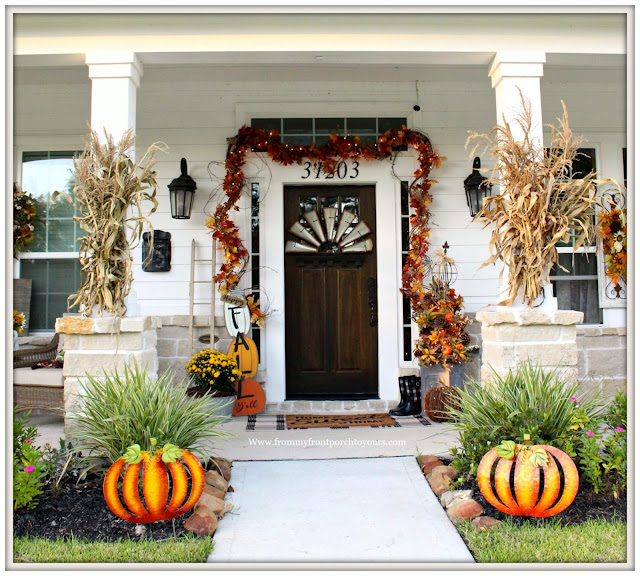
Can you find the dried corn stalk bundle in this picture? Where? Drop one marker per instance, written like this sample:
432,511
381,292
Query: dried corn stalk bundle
110,192
538,205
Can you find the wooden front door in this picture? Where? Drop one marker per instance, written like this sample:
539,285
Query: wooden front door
331,333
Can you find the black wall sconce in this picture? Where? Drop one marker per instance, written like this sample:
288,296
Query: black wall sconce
476,188
181,192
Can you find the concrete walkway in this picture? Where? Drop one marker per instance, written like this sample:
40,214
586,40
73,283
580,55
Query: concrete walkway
356,510
327,496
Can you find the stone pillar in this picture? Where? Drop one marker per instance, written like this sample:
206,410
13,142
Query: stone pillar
95,345
512,336
115,78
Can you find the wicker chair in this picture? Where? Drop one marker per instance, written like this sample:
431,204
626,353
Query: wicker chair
41,389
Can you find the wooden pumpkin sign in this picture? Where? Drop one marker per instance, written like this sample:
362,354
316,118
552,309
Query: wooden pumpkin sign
243,350
534,466
250,398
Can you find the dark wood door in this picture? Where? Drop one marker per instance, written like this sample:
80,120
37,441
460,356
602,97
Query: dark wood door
331,334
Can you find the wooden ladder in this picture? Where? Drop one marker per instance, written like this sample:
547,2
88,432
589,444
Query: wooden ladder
212,300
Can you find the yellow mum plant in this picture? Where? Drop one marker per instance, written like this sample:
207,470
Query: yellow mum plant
213,370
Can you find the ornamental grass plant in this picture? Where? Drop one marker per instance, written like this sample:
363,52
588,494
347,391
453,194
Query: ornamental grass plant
121,410
528,400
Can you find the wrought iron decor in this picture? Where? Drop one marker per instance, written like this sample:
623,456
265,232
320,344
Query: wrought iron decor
332,231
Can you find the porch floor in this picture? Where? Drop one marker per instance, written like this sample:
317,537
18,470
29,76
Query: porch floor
302,444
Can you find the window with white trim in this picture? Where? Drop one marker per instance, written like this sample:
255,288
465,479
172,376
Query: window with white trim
304,131
577,289
51,260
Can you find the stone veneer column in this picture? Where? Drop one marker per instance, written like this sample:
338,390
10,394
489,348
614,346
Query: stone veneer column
512,336
95,345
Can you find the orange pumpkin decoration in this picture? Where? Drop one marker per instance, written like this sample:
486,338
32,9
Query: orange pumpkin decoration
244,351
250,399
155,484
531,463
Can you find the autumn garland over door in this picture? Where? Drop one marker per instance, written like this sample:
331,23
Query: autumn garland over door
336,149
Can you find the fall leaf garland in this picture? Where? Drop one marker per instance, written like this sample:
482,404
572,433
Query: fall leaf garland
330,154
612,230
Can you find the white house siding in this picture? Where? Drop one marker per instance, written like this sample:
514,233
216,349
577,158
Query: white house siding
195,108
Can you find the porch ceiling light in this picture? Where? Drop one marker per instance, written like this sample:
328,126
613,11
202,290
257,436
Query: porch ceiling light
181,192
476,188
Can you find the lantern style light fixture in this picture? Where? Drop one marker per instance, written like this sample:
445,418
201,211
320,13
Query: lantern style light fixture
476,188
181,192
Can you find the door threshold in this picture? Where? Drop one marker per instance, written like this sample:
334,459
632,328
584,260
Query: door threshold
330,406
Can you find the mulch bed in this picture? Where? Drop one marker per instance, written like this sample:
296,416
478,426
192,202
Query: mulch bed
79,509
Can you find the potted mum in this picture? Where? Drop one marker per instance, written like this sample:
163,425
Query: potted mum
215,375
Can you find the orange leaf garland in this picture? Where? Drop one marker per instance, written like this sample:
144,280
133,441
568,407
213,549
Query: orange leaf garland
337,147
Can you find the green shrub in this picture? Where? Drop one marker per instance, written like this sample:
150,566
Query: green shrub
119,411
525,401
616,416
29,469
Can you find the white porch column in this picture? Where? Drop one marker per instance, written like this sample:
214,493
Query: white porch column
510,71
115,78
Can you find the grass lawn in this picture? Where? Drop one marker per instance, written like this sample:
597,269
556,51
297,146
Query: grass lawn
593,541
170,551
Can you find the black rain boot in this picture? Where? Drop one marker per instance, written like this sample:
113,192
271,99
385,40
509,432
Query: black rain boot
402,384
413,406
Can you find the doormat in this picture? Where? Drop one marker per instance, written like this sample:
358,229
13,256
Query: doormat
280,421
338,420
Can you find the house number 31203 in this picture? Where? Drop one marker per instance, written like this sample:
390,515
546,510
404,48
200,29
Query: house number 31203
341,172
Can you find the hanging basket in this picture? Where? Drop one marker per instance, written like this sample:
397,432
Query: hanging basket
438,400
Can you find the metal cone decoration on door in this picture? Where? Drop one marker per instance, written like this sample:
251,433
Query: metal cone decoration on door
333,232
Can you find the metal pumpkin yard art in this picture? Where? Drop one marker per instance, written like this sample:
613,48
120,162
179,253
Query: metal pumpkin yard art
534,465
156,468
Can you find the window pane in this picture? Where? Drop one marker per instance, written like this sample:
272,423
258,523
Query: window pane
266,123
330,126
298,140
61,236
578,265
385,124
297,125
361,126
43,173
52,282
406,333
583,163
580,295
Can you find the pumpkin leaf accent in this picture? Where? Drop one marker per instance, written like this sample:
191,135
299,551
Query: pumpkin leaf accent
133,455
170,453
539,457
507,449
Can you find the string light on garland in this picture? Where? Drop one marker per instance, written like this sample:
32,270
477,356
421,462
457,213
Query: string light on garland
337,148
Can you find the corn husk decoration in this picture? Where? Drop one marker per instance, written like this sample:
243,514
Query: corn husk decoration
110,192
538,206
